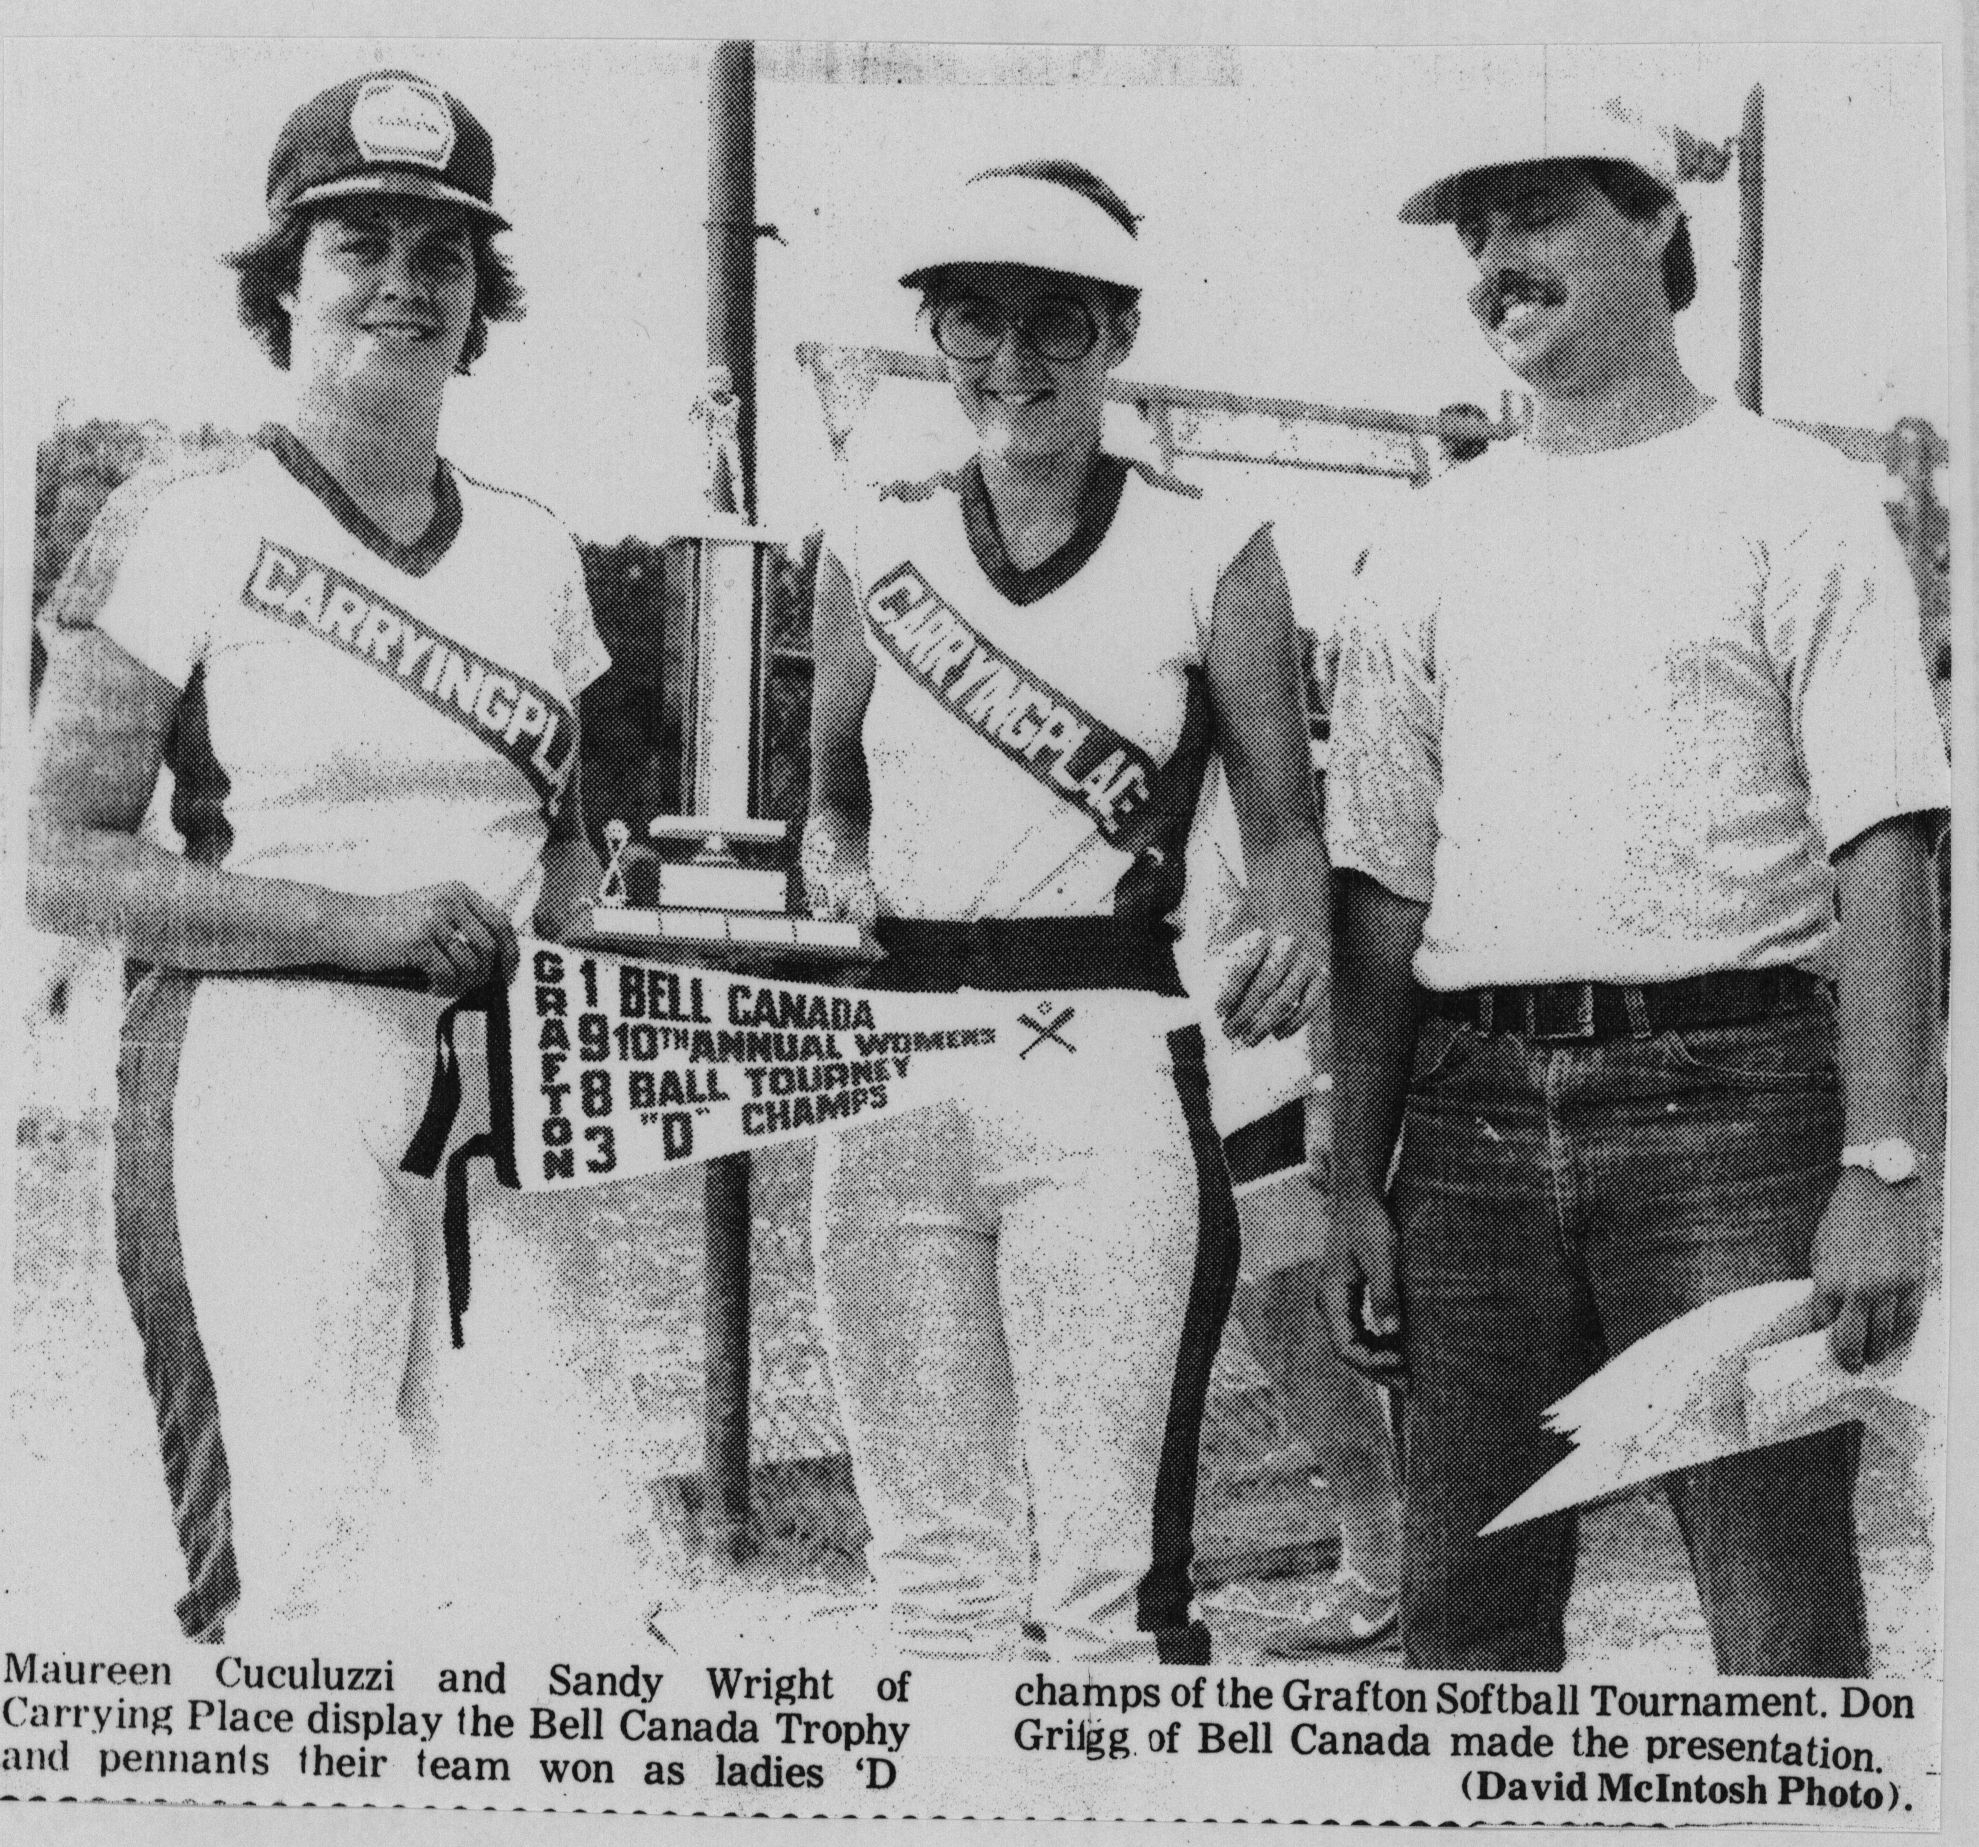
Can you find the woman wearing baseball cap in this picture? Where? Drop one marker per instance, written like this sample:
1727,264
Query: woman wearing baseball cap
361,666
1024,669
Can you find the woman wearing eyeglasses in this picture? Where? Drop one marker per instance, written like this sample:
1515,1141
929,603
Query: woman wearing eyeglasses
1024,668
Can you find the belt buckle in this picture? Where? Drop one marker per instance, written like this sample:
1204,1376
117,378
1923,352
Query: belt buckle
1541,1017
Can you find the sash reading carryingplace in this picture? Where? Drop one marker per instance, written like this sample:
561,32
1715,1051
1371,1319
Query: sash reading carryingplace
518,720
1081,759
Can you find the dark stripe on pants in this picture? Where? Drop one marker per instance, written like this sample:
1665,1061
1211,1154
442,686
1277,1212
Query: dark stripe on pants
1167,1590
152,1264
1267,1146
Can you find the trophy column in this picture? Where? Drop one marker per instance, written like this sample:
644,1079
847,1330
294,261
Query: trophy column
728,648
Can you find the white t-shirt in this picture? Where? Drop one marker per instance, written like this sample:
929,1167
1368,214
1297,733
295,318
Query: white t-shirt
1608,715
355,691
959,829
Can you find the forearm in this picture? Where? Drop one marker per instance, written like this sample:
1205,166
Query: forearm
835,855
1376,1006
1886,970
1876,1244
1257,699
175,913
836,833
1289,883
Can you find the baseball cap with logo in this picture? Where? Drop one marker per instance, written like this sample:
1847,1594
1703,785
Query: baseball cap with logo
1043,215
390,133
1578,130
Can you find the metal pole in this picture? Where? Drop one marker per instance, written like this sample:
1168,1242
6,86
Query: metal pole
1751,244
725,1414
731,343
732,234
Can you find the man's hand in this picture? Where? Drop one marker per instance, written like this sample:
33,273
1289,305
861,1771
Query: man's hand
1872,1256
1358,1293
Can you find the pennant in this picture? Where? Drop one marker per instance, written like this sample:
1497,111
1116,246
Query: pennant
606,1067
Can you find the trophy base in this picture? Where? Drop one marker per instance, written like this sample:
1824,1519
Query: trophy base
695,888
757,932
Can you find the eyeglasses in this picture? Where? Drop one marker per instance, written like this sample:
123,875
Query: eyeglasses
1057,327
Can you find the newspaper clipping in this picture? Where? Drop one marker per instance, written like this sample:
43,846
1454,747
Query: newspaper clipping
908,928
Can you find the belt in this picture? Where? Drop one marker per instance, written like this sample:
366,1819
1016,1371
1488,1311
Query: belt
1589,1010
407,980
1012,954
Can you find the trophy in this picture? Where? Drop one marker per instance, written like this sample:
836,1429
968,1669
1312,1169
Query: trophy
724,878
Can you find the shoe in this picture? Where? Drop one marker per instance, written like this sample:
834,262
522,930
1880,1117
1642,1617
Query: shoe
1234,1600
1350,1613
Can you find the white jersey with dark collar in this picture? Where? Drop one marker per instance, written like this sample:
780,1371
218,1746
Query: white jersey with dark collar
355,697
1116,625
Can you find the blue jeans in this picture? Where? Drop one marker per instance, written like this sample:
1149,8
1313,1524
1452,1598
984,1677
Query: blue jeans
1558,1201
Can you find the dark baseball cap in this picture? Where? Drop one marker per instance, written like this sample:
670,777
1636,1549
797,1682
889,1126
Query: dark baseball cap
390,133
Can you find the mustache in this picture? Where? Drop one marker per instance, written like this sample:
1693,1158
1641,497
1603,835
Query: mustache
1495,294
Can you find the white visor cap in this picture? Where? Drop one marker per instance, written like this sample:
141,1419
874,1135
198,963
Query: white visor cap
1038,223
1607,130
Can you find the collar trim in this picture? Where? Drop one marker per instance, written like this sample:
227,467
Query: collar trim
416,559
1098,504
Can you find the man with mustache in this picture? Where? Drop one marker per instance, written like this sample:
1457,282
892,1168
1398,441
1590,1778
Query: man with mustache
1634,780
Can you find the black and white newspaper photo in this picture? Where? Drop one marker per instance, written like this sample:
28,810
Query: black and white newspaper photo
937,917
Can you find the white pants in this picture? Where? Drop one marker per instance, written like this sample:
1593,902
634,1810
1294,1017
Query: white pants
1021,1300
377,1475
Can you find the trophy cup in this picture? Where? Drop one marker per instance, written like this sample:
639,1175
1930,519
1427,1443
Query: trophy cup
725,882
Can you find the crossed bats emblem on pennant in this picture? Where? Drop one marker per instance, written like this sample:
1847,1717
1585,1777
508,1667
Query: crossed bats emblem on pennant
1046,1028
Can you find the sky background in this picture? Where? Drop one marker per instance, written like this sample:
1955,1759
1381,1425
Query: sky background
1268,179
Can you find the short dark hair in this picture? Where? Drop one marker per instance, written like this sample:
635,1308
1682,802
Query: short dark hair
269,268
1635,195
